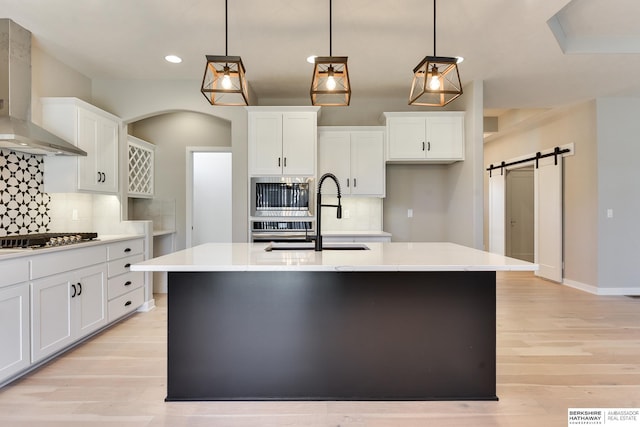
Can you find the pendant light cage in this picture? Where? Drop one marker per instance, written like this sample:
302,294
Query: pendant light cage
436,80
224,81
330,85
424,89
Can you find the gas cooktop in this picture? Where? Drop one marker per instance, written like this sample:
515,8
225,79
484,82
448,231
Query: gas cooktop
45,240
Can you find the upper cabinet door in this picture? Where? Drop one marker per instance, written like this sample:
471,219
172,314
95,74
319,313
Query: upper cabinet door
367,164
444,138
299,143
265,139
407,137
282,142
433,137
355,157
91,129
334,155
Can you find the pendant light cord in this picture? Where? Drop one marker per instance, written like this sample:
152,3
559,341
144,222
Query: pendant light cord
226,37
330,29
434,28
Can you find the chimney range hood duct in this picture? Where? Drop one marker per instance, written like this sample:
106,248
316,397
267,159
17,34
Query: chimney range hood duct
17,133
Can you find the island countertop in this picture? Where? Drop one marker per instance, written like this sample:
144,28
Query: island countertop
392,256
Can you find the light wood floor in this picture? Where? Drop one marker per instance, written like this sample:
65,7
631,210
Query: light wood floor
557,348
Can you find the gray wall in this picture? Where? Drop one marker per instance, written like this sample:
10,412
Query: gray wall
618,175
135,100
446,200
576,125
172,133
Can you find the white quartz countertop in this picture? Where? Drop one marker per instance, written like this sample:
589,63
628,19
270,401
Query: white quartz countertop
393,256
11,253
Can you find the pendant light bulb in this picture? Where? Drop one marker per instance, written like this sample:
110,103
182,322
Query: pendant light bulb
226,79
434,80
331,81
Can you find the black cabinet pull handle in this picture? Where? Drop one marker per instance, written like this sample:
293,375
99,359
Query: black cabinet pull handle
127,265
127,250
127,303
285,162
99,177
422,145
80,289
428,146
347,182
355,183
74,290
278,161
128,283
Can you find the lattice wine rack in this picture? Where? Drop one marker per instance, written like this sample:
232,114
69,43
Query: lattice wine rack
140,168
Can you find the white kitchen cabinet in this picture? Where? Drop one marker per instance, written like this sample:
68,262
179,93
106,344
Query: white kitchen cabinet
14,329
436,137
141,156
125,287
66,307
282,142
356,157
94,131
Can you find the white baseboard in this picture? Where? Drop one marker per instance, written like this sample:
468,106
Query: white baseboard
601,291
147,306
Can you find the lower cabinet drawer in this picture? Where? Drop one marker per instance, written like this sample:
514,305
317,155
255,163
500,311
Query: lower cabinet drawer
125,304
124,283
120,266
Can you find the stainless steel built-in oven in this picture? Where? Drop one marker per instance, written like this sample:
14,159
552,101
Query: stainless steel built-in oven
282,197
282,208
282,231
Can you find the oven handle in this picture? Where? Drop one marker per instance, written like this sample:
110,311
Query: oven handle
269,237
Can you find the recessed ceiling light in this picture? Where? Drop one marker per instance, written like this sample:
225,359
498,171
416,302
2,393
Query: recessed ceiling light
173,59
312,59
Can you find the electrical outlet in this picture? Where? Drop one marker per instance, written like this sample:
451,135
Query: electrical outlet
609,213
346,214
74,215
409,213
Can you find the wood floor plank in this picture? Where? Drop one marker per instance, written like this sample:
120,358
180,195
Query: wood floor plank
557,348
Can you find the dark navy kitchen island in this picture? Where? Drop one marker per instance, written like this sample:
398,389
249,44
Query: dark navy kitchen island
298,325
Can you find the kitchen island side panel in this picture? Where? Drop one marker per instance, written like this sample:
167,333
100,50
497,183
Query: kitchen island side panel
331,336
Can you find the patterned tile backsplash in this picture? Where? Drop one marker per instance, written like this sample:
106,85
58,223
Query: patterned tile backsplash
24,206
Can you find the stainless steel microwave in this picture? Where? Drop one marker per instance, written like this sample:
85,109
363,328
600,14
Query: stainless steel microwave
284,196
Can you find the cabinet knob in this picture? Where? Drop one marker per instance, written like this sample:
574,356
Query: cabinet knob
128,283
127,265
127,303
127,250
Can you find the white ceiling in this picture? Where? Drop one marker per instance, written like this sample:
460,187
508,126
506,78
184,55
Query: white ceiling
506,43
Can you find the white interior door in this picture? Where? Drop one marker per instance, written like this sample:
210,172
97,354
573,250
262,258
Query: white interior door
497,213
211,198
519,222
548,218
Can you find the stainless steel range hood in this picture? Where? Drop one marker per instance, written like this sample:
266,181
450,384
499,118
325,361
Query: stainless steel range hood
17,132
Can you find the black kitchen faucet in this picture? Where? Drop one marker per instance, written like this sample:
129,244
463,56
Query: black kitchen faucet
319,206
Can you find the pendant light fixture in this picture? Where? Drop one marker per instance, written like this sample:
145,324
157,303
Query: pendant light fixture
224,81
330,85
436,80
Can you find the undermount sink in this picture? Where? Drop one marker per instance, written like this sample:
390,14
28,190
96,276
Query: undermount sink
297,246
